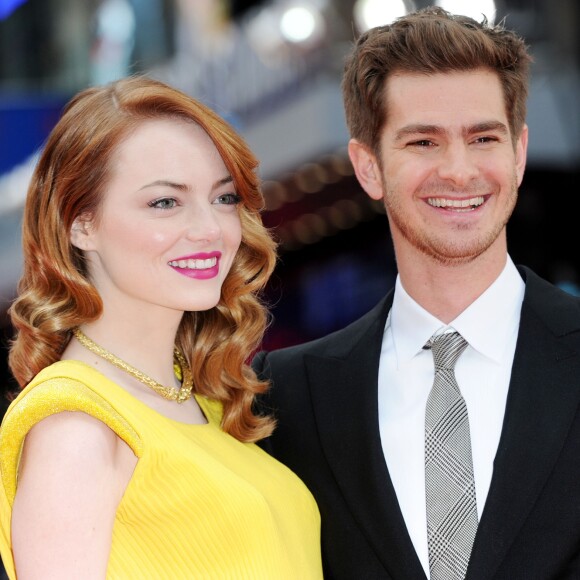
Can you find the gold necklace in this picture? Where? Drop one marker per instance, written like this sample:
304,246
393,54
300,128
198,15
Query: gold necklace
180,366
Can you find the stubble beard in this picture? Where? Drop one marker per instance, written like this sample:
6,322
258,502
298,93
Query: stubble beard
445,251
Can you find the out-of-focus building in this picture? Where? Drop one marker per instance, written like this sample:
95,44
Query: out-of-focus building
273,69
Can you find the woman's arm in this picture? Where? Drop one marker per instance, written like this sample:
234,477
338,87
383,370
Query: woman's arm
73,472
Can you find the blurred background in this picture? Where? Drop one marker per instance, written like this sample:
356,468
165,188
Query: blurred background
273,69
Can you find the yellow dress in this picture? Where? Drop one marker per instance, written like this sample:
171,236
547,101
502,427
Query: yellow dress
200,503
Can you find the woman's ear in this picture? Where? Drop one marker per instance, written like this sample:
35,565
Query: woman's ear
80,233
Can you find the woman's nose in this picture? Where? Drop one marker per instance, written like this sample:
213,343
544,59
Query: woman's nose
203,225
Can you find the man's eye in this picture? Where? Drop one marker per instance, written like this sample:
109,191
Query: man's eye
486,139
422,143
163,203
228,199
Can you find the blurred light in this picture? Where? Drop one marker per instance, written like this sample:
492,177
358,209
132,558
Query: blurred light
335,217
302,233
316,224
298,23
277,27
475,9
274,194
114,23
370,13
308,178
264,35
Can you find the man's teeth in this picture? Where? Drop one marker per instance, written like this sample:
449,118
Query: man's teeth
456,203
194,264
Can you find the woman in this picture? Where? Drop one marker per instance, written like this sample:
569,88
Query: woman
130,452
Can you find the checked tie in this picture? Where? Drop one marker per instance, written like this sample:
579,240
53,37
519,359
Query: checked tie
449,483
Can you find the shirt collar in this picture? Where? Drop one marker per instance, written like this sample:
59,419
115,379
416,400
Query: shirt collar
486,324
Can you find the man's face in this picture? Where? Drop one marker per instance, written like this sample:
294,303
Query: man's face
449,168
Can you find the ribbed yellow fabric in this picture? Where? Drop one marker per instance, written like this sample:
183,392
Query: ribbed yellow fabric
200,504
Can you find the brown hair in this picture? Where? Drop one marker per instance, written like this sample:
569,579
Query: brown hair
55,293
430,41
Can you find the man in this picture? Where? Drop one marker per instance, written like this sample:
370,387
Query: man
431,461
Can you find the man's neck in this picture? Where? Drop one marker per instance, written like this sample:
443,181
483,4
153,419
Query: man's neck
445,291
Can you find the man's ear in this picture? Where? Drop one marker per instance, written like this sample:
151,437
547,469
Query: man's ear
521,154
80,233
366,168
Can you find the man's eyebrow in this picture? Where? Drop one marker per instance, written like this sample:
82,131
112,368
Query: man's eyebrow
425,129
486,126
418,129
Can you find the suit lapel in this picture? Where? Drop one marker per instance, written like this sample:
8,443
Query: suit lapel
347,419
540,409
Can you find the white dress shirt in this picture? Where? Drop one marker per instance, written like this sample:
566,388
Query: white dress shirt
406,372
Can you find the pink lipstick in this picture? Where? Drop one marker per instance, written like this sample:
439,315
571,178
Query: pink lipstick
201,266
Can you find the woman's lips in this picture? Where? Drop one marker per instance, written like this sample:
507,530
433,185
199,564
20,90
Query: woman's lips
200,266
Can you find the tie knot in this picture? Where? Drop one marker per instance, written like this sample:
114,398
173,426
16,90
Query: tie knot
446,349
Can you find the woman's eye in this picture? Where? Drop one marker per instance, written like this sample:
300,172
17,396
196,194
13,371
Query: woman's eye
163,203
228,199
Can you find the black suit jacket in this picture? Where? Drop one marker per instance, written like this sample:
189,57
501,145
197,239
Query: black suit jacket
324,395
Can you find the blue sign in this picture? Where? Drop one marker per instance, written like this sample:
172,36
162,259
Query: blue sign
8,6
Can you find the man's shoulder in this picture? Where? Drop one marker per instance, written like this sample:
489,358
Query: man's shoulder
545,294
556,309
337,342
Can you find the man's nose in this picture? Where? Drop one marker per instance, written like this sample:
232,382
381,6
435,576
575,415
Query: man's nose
457,164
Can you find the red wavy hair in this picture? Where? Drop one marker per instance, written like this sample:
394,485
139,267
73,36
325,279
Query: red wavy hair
55,293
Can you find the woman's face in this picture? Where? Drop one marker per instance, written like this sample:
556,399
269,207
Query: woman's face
168,226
